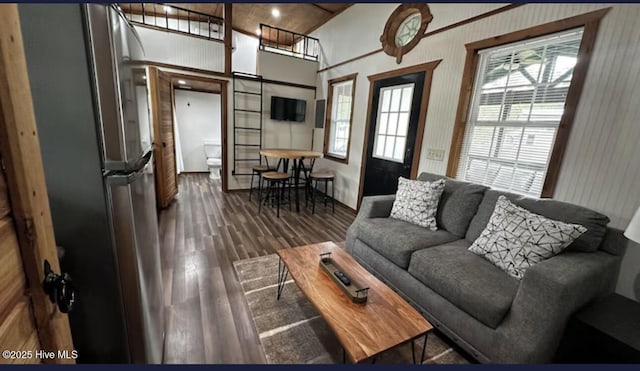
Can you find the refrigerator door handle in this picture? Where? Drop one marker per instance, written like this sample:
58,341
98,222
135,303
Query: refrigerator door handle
124,179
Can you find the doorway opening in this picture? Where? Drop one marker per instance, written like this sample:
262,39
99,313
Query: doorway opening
198,129
189,127
395,123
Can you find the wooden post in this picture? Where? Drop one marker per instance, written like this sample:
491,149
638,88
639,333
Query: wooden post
25,179
228,33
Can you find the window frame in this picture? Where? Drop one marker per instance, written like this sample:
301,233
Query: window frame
329,117
591,23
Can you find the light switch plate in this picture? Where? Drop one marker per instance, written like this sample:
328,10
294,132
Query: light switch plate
435,154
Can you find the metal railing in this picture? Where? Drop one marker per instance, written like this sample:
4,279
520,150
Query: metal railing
286,42
173,18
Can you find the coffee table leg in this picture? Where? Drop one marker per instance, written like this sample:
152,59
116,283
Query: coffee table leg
424,348
283,273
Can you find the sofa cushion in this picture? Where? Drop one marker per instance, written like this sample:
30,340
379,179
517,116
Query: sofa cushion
595,222
417,202
396,240
458,203
515,238
467,280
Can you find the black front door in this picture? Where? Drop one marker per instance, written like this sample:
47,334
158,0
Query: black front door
392,132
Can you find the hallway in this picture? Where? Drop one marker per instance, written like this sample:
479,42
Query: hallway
202,233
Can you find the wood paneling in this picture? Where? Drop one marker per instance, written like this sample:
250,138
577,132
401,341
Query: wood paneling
201,235
12,278
20,151
18,329
300,18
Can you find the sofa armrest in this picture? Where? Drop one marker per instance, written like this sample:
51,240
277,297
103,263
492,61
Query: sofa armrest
371,207
549,293
376,206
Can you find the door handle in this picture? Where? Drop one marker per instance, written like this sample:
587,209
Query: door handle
164,145
60,288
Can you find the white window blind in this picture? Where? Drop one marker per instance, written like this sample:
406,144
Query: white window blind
517,104
339,128
394,108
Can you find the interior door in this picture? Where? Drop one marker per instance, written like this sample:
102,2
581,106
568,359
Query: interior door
17,328
28,319
394,121
163,134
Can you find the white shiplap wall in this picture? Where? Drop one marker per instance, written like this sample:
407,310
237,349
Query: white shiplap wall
601,169
181,50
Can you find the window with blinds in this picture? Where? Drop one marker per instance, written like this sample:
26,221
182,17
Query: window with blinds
518,101
340,125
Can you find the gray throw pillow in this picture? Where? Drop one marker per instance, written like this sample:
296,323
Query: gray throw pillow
515,238
417,202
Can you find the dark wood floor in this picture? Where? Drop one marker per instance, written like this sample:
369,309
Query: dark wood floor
201,234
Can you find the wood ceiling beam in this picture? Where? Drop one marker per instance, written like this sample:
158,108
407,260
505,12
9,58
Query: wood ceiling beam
310,30
320,7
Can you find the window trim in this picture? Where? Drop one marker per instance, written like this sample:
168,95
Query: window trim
328,117
591,23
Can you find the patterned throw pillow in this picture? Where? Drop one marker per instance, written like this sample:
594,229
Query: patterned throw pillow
417,202
516,239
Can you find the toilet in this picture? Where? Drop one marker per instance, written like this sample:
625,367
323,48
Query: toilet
213,152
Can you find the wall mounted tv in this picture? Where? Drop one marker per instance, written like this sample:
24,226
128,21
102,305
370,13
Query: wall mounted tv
288,109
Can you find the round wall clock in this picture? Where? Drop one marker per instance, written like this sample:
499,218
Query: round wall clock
405,28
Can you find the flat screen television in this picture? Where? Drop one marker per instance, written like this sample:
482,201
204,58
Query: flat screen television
288,109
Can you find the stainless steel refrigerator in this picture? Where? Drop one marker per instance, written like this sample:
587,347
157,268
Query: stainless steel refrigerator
92,112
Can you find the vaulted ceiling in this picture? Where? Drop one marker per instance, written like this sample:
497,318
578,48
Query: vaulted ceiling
297,17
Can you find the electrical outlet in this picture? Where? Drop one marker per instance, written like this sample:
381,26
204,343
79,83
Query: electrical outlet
435,154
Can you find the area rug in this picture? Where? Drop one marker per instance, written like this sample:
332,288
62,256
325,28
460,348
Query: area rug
292,332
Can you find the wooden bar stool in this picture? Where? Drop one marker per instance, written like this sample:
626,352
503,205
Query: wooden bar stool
278,181
259,170
326,177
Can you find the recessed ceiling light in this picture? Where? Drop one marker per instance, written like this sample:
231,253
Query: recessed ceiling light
181,82
167,9
275,12
258,32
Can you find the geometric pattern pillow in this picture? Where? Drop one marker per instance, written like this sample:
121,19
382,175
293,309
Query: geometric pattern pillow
417,202
516,239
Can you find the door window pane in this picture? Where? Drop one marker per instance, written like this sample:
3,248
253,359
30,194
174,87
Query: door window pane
392,124
380,145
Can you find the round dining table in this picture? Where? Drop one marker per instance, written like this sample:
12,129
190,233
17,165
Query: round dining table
298,156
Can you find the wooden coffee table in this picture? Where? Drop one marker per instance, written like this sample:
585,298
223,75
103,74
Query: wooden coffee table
364,330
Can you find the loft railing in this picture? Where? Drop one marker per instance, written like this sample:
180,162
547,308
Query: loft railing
173,18
286,42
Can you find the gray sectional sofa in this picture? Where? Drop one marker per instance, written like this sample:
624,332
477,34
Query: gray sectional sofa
494,317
